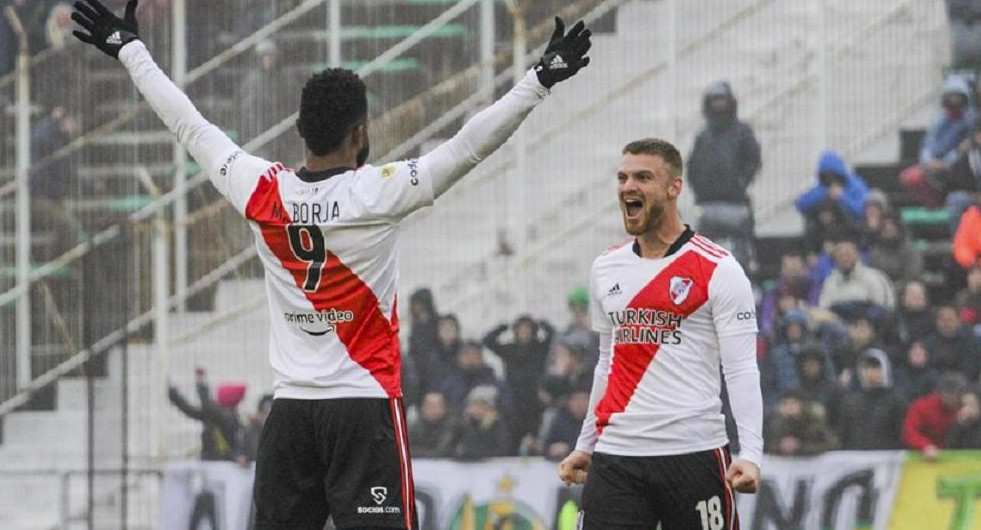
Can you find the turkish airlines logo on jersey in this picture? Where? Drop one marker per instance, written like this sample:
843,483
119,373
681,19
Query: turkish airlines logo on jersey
679,289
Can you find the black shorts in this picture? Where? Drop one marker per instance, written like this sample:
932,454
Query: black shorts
682,492
343,457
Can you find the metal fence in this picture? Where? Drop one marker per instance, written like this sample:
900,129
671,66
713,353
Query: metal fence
134,256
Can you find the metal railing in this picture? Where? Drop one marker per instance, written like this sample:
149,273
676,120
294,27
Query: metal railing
157,206
521,264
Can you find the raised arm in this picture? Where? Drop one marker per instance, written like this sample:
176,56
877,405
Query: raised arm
210,147
491,128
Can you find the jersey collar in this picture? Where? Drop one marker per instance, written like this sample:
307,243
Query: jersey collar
675,247
306,175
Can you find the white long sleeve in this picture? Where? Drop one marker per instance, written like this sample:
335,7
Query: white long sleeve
208,145
589,434
483,134
738,355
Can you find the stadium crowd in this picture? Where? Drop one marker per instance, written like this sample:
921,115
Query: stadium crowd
855,352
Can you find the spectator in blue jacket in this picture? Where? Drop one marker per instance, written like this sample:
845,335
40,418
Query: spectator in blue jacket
836,203
927,179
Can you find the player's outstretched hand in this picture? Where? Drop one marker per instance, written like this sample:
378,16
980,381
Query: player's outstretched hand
743,476
574,468
565,54
106,31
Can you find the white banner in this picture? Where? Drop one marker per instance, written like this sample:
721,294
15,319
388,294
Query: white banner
206,495
836,491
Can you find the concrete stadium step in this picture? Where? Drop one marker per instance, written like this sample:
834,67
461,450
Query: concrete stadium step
56,428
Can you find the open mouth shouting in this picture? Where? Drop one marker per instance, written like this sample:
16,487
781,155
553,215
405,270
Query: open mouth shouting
632,208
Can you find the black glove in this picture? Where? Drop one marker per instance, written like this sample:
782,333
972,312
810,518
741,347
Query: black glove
106,31
564,55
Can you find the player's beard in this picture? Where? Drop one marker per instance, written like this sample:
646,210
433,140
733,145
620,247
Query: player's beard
363,154
647,222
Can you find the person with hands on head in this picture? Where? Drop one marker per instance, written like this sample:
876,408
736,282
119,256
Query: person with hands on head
675,312
328,238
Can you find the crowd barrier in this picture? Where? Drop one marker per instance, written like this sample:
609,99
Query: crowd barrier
876,490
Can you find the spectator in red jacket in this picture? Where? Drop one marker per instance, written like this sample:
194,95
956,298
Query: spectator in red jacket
930,418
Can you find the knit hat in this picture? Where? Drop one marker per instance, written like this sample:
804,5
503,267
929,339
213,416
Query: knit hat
879,198
230,394
579,297
483,394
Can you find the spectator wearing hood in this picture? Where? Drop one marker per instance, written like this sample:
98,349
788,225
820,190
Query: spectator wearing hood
792,339
953,346
721,166
834,206
435,365
726,155
423,335
796,428
939,151
816,375
870,417
854,285
484,433
965,33
916,378
222,436
931,417
892,252
915,319
966,432
968,300
962,182
524,359
876,208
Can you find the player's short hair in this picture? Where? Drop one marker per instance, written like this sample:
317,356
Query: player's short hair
657,147
333,103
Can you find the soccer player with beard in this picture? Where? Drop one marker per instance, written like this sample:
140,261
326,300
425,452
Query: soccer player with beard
328,237
673,311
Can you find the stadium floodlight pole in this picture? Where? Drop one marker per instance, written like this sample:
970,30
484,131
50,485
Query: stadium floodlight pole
334,33
517,222
822,60
179,15
23,329
488,31
672,98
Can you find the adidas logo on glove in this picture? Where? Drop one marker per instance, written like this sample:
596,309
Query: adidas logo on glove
115,38
557,63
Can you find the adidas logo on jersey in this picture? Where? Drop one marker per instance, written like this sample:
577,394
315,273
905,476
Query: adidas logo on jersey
615,290
115,38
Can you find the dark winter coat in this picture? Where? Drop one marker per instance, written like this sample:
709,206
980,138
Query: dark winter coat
958,353
726,155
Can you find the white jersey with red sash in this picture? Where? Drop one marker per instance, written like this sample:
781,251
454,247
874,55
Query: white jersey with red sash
662,321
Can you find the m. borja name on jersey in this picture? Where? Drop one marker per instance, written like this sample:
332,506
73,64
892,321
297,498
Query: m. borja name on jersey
646,326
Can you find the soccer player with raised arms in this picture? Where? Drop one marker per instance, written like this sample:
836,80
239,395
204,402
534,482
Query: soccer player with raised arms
673,310
328,238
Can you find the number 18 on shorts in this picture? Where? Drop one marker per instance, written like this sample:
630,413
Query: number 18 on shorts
679,492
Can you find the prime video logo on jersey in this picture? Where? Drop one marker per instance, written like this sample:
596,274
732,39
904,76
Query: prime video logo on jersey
321,322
